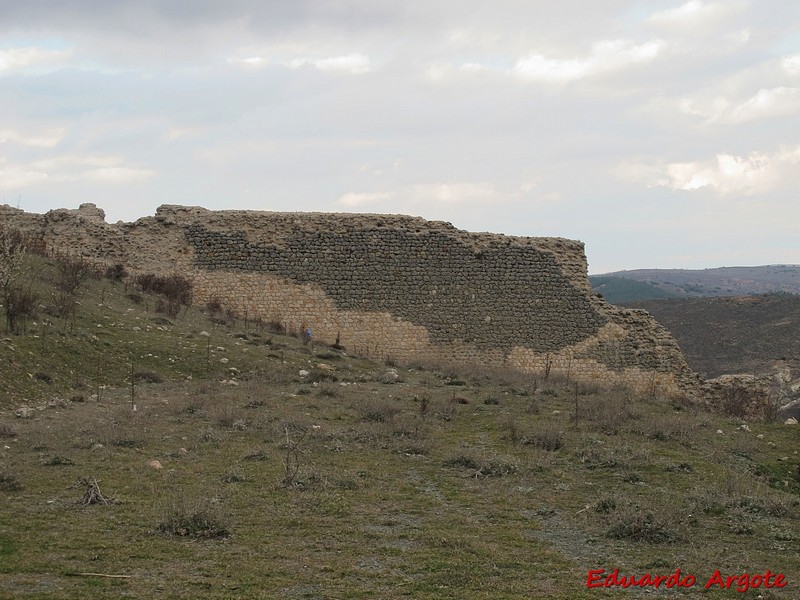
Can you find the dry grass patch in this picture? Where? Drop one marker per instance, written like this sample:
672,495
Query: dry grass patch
183,517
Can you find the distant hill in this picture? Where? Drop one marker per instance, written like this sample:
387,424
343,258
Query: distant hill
733,334
620,286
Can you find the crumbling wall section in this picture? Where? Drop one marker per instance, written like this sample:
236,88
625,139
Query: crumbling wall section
390,286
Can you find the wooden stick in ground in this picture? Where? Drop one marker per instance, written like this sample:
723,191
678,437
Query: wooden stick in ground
98,575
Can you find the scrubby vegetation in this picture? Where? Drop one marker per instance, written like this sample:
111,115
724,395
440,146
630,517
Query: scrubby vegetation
236,461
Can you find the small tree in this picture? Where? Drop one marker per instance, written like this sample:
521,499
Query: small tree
72,271
12,253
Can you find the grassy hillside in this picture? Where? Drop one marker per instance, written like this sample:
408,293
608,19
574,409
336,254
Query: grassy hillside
618,290
265,468
733,335
689,283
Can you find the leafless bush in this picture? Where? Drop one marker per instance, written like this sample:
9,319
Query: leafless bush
72,272
9,483
607,411
176,289
116,272
20,304
92,493
547,437
147,377
378,411
640,525
184,517
12,252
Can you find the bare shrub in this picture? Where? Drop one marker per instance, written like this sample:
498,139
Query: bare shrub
214,306
20,305
116,272
464,461
12,253
293,435
226,414
546,437
317,375
276,327
192,518
92,493
446,410
147,377
493,466
513,431
72,272
378,411
176,289
608,412
424,404
327,391
677,427
599,458
634,523
9,482
58,461
7,430
233,477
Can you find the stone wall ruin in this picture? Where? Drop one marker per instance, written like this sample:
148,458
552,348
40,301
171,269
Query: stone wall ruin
389,286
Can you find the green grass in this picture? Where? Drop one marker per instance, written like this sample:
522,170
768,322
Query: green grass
506,499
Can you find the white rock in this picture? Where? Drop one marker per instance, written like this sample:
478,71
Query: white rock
205,334
154,464
24,412
790,421
744,428
223,360
304,373
719,431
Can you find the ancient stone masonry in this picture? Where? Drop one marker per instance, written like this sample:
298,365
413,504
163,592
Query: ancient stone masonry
390,286
495,297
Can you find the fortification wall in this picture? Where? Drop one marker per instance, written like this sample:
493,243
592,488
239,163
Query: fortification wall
389,286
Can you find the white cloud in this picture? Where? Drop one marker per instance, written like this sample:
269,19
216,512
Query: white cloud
115,175
454,193
694,13
725,174
21,58
353,199
63,169
414,195
355,63
774,102
606,56
352,63
766,103
791,64
43,139
249,61
17,177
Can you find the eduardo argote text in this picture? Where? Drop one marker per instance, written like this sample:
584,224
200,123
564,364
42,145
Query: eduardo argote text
600,578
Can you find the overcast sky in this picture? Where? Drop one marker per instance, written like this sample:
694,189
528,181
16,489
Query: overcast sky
662,133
